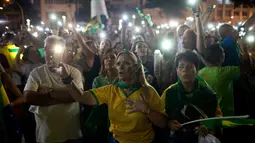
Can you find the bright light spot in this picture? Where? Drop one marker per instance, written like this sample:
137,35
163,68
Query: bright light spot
120,21
162,26
6,27
158,27
35,34
232,17
47,29
1,8
157,31
229,22
190,18
102,35
192,2
251,28
125,17
218,26
31,26
39,28
251,39
28,20
130,24
236,28
29,29
214,6
63,17
70,25
58,49
213,29
120,26
137,29
78,25
53,17
167,27
242,29
173,23
143,22
115,31
210,26
134,37
134,17
240,23
167,44
156,52
42,22
25,46
59,23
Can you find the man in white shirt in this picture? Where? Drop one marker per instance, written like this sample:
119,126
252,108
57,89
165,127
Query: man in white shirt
56,121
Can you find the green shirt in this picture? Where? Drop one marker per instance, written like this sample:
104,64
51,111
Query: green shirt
221,81
100,81
175,98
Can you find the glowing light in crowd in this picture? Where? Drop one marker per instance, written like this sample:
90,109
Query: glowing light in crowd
157,31
35,34
58,49
28,20
134,17
240,23
143,22
31,26
214,6
162,26
70,25
78,26
210,26
53,17
158,27
167,27
229,22
242,29
190,18
6,27
42,22
157,52
137,29
1,8
115,31
218,26
130,24
236,28
59,23
232,17
25,46
102,35
63,17
47,29
125,17
167,44
251,39
173,23
28,29
134,37
192,2
39,28
251,28
213,29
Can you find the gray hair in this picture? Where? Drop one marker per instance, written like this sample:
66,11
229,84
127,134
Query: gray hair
55,39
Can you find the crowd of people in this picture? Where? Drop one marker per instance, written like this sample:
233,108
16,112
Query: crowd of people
125,88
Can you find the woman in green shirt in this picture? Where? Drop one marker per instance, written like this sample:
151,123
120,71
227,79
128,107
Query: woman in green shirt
108,71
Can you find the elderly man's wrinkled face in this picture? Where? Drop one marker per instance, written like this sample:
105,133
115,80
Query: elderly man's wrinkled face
53,53
188,41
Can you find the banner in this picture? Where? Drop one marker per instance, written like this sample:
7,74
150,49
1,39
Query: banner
98,8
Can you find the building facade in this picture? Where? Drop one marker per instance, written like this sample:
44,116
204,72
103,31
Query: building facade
226,12
57,12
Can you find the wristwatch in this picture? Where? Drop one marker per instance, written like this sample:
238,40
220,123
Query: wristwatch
67,80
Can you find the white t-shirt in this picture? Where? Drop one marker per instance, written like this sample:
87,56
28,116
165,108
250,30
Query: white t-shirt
55,123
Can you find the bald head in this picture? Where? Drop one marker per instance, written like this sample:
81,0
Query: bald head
225,30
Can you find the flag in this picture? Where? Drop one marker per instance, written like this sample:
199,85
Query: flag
224,122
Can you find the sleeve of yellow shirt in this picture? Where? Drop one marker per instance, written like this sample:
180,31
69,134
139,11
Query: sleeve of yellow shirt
154,101
101,94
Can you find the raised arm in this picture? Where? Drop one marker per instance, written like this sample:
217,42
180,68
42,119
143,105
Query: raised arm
201,45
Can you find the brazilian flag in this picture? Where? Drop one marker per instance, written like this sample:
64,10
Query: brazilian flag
9,129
